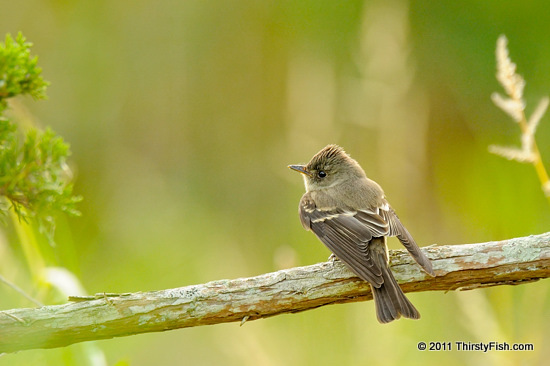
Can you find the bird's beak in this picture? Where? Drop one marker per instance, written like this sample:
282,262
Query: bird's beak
300,169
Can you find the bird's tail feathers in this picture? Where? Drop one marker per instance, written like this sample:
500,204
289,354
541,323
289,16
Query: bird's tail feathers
390,301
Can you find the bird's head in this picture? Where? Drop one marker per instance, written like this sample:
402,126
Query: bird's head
329,167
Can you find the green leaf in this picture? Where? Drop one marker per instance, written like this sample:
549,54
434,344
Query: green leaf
35,179
19,73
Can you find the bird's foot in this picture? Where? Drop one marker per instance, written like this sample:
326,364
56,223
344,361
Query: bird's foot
332,258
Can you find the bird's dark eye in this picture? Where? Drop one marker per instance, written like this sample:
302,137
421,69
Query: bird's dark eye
321,174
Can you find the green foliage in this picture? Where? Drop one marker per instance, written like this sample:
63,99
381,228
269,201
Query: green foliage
34,177
34,174
19,73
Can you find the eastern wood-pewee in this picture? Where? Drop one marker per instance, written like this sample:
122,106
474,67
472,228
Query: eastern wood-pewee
349,213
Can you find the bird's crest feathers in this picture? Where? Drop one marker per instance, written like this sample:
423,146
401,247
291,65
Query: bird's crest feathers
329,155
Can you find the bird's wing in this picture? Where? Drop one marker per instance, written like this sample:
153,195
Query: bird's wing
397,229
347,234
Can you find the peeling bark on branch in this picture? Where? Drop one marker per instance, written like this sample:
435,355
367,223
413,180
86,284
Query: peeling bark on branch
458,267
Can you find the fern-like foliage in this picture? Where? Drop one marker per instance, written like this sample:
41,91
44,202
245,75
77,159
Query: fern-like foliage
34,176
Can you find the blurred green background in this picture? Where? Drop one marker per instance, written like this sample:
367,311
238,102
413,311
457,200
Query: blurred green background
183,116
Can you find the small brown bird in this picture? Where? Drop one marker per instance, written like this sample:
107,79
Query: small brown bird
349,213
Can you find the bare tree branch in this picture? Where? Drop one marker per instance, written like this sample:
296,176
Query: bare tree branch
458,267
